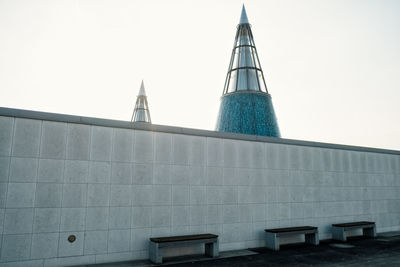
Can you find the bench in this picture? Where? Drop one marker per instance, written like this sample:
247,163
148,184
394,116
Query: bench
310,233
156,243
339,230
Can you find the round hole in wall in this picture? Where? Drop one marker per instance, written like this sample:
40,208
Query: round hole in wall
71,238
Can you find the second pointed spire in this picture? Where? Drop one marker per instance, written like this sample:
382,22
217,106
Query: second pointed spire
141,113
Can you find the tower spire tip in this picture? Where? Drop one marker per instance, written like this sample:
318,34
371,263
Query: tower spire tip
243,16
142,91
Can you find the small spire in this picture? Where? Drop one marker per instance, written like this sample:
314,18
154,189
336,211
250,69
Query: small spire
142,91
243,17
141,111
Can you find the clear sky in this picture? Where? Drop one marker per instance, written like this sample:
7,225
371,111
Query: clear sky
331,66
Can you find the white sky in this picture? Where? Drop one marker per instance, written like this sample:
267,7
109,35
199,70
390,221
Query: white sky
331,66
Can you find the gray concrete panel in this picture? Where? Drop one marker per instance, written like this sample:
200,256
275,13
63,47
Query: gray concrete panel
97,218
119,240
44,245
16,247
143,148
6,134
76,171
198,152
4,168
197,175
51,171
98,195
230,195
214,176
23,169
215,152
121,173
48,195
78,141
26,138
163,148
20,195
162,174
161,195
141,195
197,215
161,216
143,174
197,195
180,215
72,219
141,217
46,220
18,221
54,140
214,214
257,155
121,195
180,174
122,145
214,195
74,195
230,153
120,218
230,214
99,172
181,148
271,152
180,195
95,242
231,176
101,139
3,194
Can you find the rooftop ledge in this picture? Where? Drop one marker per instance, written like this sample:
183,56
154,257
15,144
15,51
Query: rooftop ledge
38,115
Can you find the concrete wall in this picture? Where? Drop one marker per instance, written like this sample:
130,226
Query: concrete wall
114,187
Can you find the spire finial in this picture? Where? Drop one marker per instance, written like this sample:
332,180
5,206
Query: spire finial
142,91
243,16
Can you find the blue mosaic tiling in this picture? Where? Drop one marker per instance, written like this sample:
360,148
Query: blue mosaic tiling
247,113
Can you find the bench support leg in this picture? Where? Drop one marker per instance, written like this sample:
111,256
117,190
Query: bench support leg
312,239
212,249
371,232
272,241
155,253
338,233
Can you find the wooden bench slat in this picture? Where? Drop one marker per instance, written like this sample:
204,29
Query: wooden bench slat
182,238
291,229
353,224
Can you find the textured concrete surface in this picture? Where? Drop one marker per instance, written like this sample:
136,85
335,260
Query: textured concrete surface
114,188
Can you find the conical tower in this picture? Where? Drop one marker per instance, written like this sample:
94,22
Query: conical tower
141,112
246,106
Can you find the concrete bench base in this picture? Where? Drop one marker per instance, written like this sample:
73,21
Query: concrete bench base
156,244
310,233
339,230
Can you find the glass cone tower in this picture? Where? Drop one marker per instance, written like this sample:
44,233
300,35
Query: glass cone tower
141,112
246,106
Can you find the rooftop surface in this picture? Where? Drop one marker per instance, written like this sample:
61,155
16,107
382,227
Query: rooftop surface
384,250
